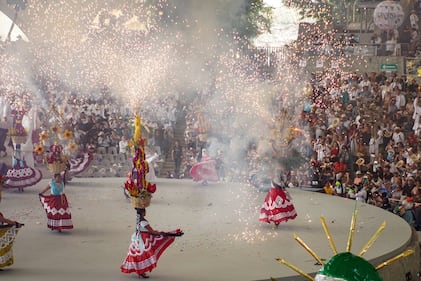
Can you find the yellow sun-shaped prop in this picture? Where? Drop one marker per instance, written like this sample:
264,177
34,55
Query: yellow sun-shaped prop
345,266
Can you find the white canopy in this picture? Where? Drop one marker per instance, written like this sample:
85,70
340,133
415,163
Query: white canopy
5,24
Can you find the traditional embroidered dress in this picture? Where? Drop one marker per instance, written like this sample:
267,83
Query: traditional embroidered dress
145,248
277,206
20,175
7,237
57,208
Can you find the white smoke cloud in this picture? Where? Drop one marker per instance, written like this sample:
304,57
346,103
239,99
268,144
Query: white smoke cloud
72,43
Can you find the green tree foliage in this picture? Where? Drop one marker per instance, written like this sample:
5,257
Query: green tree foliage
244,19
253,20
323,11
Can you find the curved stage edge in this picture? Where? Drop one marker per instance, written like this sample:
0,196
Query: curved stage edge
223,240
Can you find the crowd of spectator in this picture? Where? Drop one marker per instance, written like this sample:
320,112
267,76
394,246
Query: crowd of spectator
364,139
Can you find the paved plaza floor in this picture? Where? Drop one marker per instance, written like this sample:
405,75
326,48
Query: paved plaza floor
223,240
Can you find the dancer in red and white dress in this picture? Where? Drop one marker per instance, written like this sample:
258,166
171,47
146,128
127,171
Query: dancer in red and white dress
20,175
77,165
146,247
205,170
277,206
56,205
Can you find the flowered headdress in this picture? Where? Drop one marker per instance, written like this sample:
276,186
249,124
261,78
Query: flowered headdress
136,184
56,155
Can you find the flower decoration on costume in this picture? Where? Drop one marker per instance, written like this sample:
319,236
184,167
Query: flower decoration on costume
56,144
56,154
136,183
55,129
67,135
73,147
131,187
130,143
43,136
56,159
39,149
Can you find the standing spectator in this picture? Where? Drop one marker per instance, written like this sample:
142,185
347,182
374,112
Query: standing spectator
220,166
4,124
103,143
390,45
417,114
398,136
177,157
400,99
3,136
114,140
413,36
413,19
123,145
159,141
339,168
361,194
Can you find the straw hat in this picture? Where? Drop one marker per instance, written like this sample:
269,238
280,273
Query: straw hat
414,157
387,134
335,123
360,161
349,107
400,164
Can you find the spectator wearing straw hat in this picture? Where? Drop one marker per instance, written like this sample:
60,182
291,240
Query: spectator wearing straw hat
398,136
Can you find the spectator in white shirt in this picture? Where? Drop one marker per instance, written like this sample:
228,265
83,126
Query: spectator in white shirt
413,19
123,145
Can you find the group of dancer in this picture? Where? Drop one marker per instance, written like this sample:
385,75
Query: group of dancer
147,244
58,218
